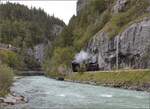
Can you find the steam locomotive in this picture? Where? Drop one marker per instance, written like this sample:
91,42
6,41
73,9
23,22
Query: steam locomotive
89,66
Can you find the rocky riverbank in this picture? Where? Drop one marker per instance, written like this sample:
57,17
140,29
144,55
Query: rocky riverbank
12,99
45,93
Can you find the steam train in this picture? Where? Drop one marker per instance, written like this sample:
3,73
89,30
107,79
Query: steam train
89,66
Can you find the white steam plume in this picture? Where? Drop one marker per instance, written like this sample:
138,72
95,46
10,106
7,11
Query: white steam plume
82,56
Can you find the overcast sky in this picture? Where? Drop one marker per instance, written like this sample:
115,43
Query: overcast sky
63,9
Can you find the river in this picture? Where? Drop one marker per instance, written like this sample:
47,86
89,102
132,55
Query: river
46,93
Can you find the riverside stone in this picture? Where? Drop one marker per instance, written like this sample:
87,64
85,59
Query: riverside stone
12,100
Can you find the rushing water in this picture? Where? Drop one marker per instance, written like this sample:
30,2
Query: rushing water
47,93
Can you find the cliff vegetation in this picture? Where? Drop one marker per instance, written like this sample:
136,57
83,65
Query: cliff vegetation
24,28
95,16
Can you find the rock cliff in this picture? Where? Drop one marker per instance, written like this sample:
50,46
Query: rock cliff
38,51
128,49
131,48
81,4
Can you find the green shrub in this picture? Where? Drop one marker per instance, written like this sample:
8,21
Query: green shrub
9,58
98,5
6,79
31,63
60,62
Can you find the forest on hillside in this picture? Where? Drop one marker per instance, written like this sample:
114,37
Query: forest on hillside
24,28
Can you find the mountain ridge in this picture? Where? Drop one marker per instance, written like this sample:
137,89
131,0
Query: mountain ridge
30,30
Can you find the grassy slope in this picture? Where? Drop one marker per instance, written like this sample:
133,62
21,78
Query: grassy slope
10,58
129,79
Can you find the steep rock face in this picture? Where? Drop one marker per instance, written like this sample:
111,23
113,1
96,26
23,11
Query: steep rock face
81,5
38,51
132,47
119,6
56,30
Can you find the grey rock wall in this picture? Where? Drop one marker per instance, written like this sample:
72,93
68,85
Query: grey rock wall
81,4
133,47
38,51
119,6
56,30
